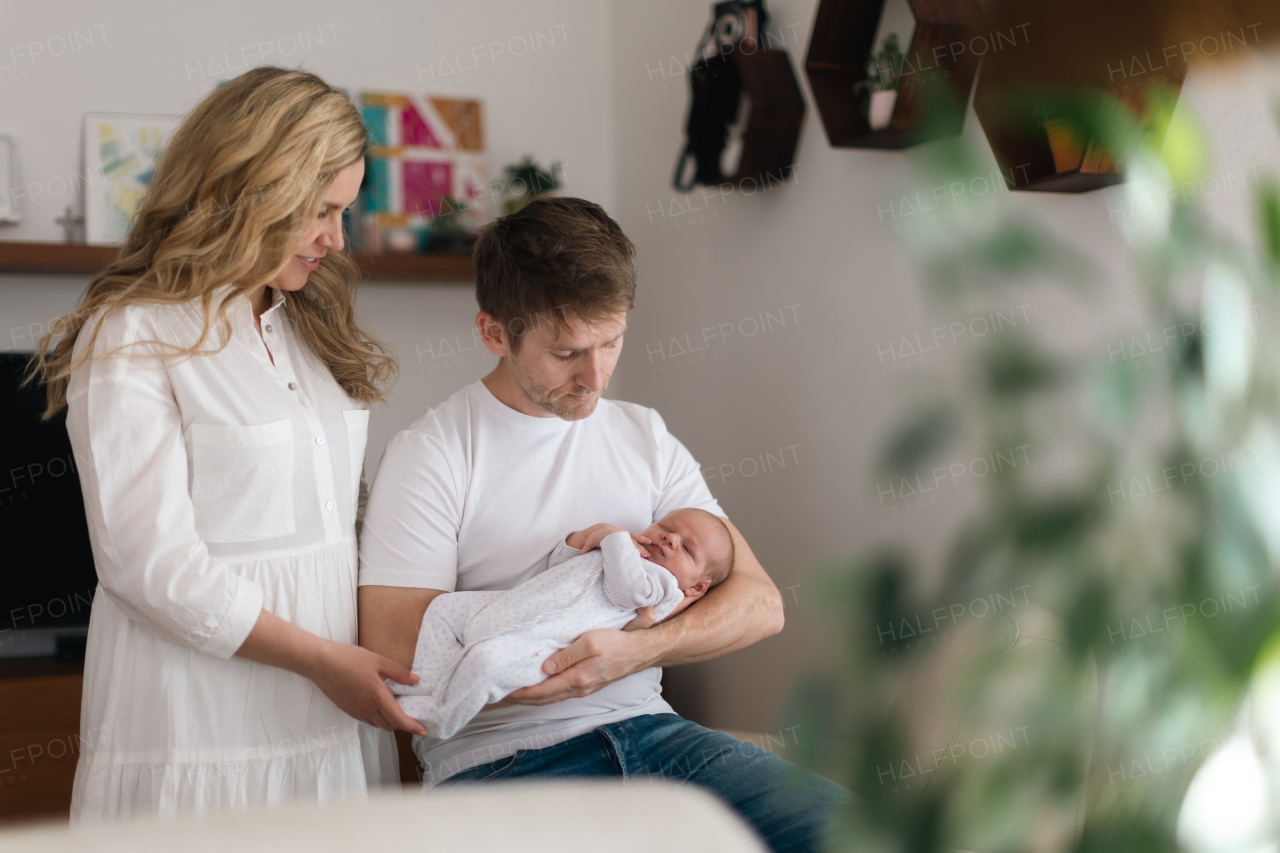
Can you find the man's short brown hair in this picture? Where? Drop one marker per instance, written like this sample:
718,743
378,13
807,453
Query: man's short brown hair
553,259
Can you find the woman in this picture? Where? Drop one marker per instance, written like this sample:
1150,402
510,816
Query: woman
217,385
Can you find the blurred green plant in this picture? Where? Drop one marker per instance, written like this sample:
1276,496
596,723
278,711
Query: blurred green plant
447,231
1118,690
527,179
884,67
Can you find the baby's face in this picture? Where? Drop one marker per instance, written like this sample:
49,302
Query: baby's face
680,545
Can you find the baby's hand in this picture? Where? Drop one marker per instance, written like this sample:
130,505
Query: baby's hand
578,539
596,534
645,618
591,537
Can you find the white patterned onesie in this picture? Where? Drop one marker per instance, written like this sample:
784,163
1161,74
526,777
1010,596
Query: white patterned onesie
476,647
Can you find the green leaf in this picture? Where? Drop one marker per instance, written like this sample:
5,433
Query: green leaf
1015,368
915,442
1269,219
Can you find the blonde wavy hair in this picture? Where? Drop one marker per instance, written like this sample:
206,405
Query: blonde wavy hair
237,188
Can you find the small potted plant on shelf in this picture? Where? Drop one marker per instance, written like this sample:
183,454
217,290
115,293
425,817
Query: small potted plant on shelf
883,72
1065,143
527,179
448,232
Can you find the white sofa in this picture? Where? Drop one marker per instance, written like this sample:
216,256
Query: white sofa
532,817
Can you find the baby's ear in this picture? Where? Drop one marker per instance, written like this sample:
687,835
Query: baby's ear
698,589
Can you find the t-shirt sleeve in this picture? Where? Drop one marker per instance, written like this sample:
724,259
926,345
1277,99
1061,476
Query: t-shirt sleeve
682,481
409,537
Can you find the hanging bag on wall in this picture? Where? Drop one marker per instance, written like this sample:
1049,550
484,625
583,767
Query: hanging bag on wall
716,90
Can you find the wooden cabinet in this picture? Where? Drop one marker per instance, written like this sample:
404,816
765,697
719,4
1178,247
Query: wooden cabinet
39,736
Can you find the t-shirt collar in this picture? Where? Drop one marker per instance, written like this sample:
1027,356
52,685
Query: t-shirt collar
511,415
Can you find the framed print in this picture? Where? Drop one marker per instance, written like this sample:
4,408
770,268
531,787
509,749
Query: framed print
120,156
8,207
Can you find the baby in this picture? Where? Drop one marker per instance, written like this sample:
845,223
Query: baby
476,647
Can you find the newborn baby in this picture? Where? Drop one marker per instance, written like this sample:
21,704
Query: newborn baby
474,648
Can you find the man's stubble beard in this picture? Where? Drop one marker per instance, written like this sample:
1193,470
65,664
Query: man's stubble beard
540,397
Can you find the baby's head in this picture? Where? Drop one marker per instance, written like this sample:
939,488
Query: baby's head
693,545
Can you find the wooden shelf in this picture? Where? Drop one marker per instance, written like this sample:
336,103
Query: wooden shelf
1041,102
933,89
20,257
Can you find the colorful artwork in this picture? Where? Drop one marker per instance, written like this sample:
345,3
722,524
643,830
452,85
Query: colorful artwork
423,152
120,152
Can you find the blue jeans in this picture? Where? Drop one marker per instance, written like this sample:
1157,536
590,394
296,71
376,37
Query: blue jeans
789,807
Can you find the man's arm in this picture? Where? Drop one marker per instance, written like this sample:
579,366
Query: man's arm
743,610
390,618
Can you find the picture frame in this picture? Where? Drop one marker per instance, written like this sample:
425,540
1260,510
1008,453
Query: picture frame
9,213
121,151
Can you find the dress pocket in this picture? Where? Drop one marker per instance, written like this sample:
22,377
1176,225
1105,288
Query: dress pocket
242,487
357,439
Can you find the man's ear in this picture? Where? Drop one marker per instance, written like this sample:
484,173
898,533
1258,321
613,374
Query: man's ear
698,589
491,332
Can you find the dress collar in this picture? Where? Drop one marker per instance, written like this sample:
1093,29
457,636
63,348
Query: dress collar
241,310
277,299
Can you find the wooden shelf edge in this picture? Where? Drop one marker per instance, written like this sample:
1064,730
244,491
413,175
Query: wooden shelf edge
1074,181
82,258
22,257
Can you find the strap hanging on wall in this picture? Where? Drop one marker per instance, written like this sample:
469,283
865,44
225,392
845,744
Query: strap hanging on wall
745,108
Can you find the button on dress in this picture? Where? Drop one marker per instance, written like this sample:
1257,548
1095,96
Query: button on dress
214,486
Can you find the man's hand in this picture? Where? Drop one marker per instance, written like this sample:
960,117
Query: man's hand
594,660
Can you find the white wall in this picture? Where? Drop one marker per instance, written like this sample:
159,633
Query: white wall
826,244
820,253
161,58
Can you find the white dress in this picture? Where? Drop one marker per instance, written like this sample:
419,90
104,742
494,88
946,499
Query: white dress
214,486
476,647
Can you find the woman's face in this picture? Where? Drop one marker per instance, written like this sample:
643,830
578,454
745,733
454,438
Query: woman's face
326,235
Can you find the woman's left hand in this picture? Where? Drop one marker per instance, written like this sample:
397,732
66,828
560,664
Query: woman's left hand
351,676
354,679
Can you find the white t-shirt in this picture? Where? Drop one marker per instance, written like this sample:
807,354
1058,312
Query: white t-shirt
475,496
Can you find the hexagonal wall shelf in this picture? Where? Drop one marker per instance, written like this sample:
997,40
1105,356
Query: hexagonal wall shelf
777,114
936,75
1031,102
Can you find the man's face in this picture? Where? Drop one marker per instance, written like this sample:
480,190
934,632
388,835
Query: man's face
565,375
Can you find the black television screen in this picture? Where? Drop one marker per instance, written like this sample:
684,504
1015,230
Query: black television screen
47,578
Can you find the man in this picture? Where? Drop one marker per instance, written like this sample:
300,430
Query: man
479,490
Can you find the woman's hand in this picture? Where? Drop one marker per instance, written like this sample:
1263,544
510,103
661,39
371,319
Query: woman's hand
352,677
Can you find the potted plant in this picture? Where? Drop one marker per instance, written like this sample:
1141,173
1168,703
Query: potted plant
1065,143
448,232
531,179
883,71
